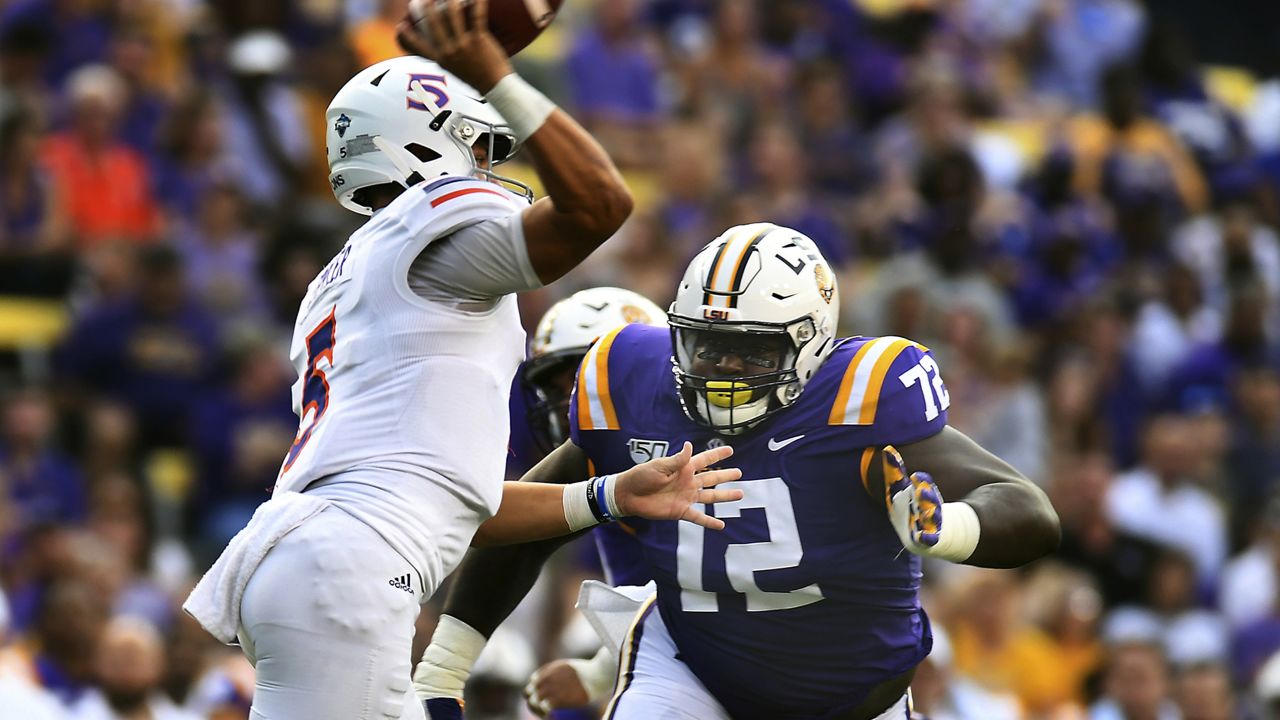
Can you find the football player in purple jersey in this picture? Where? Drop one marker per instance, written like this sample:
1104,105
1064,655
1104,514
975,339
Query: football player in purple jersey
807,605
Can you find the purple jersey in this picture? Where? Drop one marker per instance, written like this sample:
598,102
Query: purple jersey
806,600
619,552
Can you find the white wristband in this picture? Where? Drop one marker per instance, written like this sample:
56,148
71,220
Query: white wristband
446,663
597,674
577,511
958,537
610,496
520,104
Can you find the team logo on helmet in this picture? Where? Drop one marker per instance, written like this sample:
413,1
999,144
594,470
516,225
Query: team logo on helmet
633,314
826,284
341,124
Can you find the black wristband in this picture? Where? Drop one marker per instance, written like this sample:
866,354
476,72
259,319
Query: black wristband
593,502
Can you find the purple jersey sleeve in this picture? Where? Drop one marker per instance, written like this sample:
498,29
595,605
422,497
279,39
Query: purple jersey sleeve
913,400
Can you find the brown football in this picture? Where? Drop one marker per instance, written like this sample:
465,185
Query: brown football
514,23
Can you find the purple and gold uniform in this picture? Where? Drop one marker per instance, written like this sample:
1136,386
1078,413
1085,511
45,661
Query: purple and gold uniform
806,600
619,552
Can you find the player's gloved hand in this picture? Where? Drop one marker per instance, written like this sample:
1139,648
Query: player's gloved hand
443,708
914,502
571,683
442,31
916,510
666,488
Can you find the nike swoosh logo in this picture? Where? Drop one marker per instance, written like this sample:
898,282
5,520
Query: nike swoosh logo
776,446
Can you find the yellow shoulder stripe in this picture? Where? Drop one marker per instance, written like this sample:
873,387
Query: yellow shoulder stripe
859,392
595,403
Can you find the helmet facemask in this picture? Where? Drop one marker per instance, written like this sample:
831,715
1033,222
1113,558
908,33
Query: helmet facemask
768,382
548,415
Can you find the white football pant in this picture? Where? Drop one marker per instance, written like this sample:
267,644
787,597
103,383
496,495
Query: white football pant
653,684
328,621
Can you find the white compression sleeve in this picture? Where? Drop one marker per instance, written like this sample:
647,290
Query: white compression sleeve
446,663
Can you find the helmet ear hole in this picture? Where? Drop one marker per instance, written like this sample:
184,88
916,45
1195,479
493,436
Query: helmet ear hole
422,152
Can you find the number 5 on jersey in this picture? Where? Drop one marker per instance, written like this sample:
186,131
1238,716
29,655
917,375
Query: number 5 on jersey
315,391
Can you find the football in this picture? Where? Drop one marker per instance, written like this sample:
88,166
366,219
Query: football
514,23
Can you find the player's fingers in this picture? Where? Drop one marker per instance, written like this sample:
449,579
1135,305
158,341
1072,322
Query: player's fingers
434,19
537,705
457,24
710,457
675,463
715,496
410,39
711,478
698,517
480,14
893,462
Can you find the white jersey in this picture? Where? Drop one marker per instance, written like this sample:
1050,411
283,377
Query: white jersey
403,400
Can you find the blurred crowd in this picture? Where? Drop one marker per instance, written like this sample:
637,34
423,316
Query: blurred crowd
1073,210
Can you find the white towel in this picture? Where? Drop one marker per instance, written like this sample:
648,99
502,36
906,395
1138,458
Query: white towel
611,610
215,601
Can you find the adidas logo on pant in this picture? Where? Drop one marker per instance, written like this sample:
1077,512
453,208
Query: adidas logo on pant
401,583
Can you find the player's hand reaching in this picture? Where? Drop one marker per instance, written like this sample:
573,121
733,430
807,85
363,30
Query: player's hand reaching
455,34
914,502
666,488
556,685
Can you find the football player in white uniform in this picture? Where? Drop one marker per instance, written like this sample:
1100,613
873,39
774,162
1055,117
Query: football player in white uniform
406,345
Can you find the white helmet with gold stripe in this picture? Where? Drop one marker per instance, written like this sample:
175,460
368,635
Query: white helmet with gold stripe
754,317
564,334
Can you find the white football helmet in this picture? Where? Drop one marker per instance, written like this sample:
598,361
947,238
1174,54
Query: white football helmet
406,120
764,294
563,337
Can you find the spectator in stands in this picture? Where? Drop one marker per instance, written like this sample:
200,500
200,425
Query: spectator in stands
105,183
129,663
1168,327
781,192
262,144
239,433
190,158
731,79
133,56
1137,149
1121,563
1135,684
1252,464
1206,375
221,254
996,648
33,225
155,349
1203,692
1230,249
1157,500
943,695
58,655
614,82
42,482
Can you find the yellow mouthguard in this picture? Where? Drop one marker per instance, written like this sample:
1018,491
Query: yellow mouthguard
728,393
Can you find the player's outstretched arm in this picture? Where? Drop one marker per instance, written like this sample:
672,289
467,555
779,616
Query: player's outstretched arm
476,605
587,200
995,517
664,488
